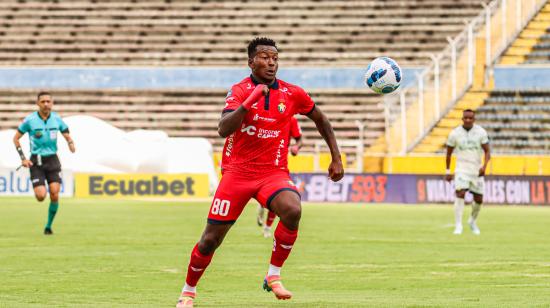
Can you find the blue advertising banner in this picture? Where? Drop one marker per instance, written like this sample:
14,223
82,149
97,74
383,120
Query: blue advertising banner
412,189
18,183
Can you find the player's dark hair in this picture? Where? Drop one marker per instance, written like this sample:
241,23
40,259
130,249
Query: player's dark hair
43,93
469,110
259,41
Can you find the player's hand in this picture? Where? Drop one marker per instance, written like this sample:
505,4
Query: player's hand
336,170
449,177
482,171
256,94
26,163
294,150
71,147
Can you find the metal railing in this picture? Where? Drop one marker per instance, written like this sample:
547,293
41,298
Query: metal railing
413,112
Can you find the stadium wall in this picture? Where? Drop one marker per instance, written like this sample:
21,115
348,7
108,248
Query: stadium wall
428,164
170,78
522,77
498,165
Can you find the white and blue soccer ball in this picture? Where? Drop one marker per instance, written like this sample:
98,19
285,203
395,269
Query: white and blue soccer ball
383,75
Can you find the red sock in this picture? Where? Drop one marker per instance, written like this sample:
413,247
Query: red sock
270,218
282,244
197,266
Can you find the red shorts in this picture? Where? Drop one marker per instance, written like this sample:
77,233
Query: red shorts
235,190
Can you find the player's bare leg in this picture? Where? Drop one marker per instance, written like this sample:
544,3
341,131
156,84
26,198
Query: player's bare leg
476,207
287,206
202,254
40,193
459,208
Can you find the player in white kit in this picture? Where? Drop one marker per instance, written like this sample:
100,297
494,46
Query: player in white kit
468,141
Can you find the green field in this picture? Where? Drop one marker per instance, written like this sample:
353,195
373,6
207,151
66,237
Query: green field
115,253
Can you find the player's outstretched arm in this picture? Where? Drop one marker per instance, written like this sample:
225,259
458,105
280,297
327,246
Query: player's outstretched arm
335,170
448,175
24,161
70,141
231,121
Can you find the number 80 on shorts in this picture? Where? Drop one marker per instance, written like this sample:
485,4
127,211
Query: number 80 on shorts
220,207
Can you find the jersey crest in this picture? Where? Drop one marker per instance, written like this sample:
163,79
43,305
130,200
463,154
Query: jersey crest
281,106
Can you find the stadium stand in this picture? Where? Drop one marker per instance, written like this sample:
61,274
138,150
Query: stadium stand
193,112
215,33
533,44
517,121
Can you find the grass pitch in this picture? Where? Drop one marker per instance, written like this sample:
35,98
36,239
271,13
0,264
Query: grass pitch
121,253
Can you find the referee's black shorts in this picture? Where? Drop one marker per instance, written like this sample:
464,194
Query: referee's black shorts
45,168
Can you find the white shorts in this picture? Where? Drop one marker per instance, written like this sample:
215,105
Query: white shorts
473,183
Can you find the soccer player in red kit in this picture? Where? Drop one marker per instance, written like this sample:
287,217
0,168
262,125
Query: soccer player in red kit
256,122
296,134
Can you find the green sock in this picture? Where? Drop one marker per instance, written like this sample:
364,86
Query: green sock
51,213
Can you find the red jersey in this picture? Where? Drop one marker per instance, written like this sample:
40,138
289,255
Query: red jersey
261,143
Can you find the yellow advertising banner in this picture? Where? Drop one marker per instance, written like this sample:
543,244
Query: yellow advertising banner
141,185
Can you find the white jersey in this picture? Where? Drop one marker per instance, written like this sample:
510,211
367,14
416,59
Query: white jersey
467,146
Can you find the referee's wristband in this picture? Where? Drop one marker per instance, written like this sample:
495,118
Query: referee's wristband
447,171
21,154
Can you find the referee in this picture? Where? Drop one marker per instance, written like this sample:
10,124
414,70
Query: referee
43,127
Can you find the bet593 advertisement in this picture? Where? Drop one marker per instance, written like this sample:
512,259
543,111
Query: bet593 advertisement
411,189
141,185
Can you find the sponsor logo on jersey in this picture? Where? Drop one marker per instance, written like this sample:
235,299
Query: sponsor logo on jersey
278,156
250,129
261,133
229,147
268,133
285,90
259,117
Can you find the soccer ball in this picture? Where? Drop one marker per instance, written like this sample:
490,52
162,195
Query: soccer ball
383,75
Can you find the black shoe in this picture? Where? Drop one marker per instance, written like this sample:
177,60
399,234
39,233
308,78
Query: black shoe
48,231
